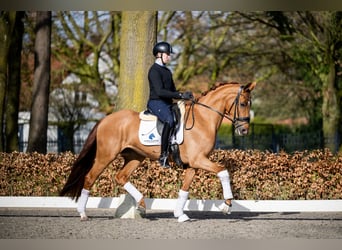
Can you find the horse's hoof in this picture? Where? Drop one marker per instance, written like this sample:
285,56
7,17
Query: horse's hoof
84,217
183,218
141,211
226,209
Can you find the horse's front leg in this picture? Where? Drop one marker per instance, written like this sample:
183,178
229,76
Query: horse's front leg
226,207
222,173
183,195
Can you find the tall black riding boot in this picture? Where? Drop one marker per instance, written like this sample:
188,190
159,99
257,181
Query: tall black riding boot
176,154
164,153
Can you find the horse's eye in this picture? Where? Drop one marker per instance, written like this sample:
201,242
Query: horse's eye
245,104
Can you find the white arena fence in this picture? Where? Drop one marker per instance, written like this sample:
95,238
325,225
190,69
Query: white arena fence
169,204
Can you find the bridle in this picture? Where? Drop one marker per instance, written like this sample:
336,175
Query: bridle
236,116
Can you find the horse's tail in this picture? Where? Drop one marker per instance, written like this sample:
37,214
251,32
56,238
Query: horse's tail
81,167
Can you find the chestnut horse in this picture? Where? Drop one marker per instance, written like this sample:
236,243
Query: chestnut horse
117,134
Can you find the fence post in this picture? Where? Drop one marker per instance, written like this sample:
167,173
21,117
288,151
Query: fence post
275,141
233,136
337,141
252,136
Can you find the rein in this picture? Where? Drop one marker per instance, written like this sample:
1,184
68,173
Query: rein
235,118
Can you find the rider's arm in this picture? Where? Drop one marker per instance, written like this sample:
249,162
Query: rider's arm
162,85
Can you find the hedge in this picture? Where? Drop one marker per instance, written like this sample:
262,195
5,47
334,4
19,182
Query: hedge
255,175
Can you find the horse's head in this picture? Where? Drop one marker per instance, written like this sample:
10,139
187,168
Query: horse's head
239,110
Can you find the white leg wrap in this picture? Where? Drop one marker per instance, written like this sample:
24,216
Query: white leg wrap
133,191
224,178
182,198
82,201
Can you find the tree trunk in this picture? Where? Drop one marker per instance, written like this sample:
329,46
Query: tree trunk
6,28
13,90
40,95
331,110
331,88
138,35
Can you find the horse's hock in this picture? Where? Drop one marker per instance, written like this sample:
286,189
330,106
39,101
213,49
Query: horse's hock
127,208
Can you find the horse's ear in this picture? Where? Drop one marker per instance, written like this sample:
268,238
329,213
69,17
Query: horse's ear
250,86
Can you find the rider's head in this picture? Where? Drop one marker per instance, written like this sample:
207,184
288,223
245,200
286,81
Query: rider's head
162,50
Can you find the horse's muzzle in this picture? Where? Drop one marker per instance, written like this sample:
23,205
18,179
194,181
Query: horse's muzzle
241,131
242,128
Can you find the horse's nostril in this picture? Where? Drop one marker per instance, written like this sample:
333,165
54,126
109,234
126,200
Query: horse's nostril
244,131
241,131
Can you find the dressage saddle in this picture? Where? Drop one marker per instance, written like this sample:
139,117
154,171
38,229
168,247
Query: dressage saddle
173,146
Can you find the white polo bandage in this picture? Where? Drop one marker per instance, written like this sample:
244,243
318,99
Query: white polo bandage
130,188
182,198
225,182
82,201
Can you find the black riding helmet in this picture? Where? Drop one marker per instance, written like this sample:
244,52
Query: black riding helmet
162,47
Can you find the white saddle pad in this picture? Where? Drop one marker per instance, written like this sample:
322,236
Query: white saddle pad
149,136
148,133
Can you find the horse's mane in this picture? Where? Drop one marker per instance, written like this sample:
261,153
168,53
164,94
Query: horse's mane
217,85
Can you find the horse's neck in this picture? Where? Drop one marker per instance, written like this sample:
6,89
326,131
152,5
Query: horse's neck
219,99
210,116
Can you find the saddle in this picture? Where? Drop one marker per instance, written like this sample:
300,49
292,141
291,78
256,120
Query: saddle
178,110
151,128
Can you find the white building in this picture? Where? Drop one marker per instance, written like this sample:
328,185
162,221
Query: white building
66,98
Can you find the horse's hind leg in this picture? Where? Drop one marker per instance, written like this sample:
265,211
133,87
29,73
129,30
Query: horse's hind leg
183,195
89,181
132,161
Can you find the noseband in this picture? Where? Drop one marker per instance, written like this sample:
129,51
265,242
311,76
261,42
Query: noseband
236,116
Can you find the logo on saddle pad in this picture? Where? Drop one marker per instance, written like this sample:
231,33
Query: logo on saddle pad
151,136
149,133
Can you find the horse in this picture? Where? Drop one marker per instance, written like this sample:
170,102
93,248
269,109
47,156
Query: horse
117,134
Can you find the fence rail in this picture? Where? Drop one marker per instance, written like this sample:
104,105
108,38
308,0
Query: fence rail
275,142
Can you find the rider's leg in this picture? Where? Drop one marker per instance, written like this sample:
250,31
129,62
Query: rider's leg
163,111
164,154
174,148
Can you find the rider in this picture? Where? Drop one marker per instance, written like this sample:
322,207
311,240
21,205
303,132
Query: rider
162,93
